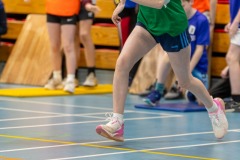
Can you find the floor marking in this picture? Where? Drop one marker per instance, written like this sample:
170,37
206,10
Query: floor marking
7,158
57,104
66,144
148,151
83,122
80,106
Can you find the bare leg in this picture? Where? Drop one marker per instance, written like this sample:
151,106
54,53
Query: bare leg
54,32
181,66
85,37
137,45
68,37
163,68
233,59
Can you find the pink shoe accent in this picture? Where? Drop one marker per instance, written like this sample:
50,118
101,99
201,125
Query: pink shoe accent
116,136
219,120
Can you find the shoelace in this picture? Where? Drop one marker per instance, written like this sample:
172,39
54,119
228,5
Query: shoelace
215,119
109,116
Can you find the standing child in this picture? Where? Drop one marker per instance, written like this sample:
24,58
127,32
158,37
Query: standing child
86,16
61,24
3,19
165,23
233,55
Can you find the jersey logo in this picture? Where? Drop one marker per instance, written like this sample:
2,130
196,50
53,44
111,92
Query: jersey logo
191,29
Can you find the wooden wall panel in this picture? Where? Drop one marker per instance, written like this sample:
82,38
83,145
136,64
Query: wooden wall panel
218,63
29,62
105,58
25,6
222,14
221,42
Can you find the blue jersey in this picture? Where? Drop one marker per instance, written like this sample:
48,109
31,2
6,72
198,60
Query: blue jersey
234,8
199,32
130,4
1,4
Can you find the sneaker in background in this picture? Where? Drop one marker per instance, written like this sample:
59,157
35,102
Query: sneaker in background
173,93
76,82
54,84
218,119
91,80
69,86
152,98
113,130
232,106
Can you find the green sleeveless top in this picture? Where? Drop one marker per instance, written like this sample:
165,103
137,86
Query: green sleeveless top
171,19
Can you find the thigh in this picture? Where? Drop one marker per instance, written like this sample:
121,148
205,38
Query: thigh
139,42
85,26
54,33
233,52
180,62
68,34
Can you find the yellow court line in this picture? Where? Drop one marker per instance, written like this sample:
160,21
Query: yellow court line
106,147
149,152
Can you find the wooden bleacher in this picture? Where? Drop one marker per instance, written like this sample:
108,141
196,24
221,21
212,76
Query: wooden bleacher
104,35
221,39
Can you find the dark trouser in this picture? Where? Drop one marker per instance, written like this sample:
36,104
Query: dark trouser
221,88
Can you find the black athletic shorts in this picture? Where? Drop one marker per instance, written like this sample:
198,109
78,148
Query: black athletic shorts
84,14
170,43
62,19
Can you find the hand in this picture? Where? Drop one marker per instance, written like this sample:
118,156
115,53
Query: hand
92,8
225,72
226,28
233,29
115,18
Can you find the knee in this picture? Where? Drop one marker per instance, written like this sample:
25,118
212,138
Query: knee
84,37
184,83
122,64
68,48
230,58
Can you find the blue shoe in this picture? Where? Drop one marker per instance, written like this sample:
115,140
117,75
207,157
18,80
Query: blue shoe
153,98
190,97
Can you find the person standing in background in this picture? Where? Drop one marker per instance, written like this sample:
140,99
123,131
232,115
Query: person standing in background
125,27
86,17
3,19
61,24
233,54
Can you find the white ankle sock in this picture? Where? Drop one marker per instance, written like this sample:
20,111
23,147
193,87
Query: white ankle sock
119,116
213,108
70,77
57,75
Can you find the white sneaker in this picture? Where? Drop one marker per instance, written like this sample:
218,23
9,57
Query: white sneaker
90,81
54,84
76,82
218,119
113,130
69,86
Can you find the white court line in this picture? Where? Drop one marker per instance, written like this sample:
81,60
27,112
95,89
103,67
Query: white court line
153,149
79,106
132,139
57,104
84,122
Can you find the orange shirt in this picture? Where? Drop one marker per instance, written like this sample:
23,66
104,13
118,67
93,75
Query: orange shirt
202,5
63,7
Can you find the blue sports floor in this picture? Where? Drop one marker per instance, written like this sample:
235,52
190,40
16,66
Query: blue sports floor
62,128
